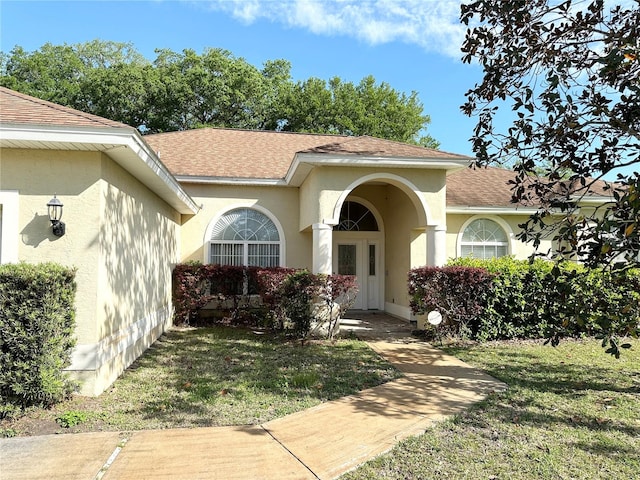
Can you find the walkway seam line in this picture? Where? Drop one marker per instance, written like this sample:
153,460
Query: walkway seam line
111,459
290,452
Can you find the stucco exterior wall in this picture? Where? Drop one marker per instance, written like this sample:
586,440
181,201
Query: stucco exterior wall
518,249
139,245
324,187
283,203
74,176
122,239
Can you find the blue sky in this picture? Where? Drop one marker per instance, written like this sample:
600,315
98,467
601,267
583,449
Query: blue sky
413,45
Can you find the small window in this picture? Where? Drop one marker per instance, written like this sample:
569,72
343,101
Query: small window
484,238
245,237
356,217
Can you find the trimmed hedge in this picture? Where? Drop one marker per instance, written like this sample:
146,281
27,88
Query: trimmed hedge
37,322
289,298
542,299
460,294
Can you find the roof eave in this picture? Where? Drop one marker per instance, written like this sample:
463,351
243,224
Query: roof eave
303,163
124,145
490,210
205,180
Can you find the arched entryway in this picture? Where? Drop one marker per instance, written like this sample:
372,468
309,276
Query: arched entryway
409,234
358,246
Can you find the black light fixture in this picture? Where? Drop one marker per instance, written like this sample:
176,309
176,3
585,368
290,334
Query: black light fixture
55,214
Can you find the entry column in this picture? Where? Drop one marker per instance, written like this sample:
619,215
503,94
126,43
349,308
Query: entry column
322,248
436,245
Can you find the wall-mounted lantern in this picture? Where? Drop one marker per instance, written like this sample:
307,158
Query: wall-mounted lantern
55,214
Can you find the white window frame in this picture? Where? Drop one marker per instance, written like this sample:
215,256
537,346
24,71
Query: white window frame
209,231
501,223
9,235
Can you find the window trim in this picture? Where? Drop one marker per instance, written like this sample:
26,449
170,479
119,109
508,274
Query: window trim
252,206
500,221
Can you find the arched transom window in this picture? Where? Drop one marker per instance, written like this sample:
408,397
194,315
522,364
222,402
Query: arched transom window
245,237
484,238
356,217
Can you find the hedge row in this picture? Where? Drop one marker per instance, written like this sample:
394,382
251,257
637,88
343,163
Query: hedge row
37,322
289,299
534,299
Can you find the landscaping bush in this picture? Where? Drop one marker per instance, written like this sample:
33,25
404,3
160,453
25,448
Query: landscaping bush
270,282
514,308
595,302
542,299
458,293
299,291
196,285
37,322
288,297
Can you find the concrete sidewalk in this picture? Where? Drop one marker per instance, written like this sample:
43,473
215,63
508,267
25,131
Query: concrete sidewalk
320,443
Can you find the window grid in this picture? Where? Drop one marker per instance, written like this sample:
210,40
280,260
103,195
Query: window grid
245,237
484,238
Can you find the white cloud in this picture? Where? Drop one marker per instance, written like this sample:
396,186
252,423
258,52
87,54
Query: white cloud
432,24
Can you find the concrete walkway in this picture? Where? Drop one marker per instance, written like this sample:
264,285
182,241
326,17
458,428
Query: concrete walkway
320,443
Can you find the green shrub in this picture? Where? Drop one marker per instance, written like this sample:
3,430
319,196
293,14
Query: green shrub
37,322
513,310
459,293
299,291
543,299
71,418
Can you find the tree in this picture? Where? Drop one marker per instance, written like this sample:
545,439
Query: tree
569,73
338,107
179,91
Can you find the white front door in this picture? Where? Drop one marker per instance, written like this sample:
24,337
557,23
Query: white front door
360,257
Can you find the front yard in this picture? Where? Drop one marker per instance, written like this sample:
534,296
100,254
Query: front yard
212,377
571,412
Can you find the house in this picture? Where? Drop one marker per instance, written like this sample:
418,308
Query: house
135,205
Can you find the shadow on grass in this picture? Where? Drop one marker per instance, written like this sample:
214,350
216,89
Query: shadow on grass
546,390
227,376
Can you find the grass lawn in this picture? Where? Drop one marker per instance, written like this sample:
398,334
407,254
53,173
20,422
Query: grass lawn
571,412
215,376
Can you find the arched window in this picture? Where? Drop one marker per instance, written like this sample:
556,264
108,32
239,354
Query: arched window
356,217
484,238
244,236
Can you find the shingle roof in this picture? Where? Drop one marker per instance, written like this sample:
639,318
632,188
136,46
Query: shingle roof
232,153
219,152
490,187
376,147
251,154
18,108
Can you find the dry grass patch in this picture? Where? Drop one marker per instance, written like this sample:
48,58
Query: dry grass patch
213,377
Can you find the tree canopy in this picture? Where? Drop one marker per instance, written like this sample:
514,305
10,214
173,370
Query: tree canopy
179,91
568,76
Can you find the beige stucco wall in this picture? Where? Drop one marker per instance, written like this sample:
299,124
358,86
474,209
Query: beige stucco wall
122,239
324,186
520,250
282,203
74,176
139,245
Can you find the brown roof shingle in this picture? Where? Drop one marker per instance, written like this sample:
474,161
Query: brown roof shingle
18,108
490,187
232,153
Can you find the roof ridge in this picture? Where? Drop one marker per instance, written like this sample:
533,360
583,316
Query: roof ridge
251,130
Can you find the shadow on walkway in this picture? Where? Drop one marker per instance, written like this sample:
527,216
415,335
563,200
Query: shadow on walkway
319,443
